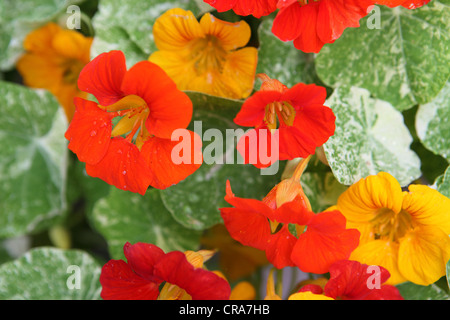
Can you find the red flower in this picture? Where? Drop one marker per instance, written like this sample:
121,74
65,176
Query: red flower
311,24
304,122
265,225
147,267
408,4
136,152
351,280
257,8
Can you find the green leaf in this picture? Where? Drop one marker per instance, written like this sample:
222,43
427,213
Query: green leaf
51,274
127,26
443,183
18,18
433,123
124,216
411,291
447,274
281,60
405,62
370,137
34,160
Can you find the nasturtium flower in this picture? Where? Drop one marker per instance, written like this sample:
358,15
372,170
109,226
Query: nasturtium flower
52,60
148,267
406,232
351,280
290,121
408,4
256,8
134,152
208,56
312,24
318,240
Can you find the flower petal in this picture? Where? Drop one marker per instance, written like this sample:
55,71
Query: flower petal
423,254
254,108
279,248
89,132
103,77
142,257
123,166
119,282
169,107
160,156
200,284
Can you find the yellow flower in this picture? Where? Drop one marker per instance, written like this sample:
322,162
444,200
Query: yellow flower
206,55
405,232
53,60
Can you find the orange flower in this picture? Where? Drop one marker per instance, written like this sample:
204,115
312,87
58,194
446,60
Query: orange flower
53,60
206,56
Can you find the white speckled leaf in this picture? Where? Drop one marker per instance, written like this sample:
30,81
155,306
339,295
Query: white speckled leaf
281,60
443,183
51,274
411,291
405,62
33,163
127,26
125,216
370,137
18,18
433,123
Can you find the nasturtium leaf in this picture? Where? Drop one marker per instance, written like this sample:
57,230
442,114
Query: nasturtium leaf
443,183
281,60
411,291
48,273
18,18
370,137
125,216
433,123
404,62
127,26
33,164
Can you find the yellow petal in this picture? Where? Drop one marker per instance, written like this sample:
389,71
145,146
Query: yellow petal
40,71
197,258
232,35
174,29
308,296
428,207
360,201
40,40
423,254
72,44
244,290
380,253
238,74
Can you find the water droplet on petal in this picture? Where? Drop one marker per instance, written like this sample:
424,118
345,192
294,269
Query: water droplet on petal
124,172
93,133
119,151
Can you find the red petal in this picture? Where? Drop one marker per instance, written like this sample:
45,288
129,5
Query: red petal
309,40
259,147
254,108
222,5
349,280
287,25
167,168
247,222
302,95
123,166
170,108
119,282
314,288
324,242
89,132
199,283
414,4
292,212
103,77
257,8
142,257
279,248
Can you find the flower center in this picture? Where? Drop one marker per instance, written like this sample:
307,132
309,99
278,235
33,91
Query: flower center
281,110
133,112
72,69
388,225
207,54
